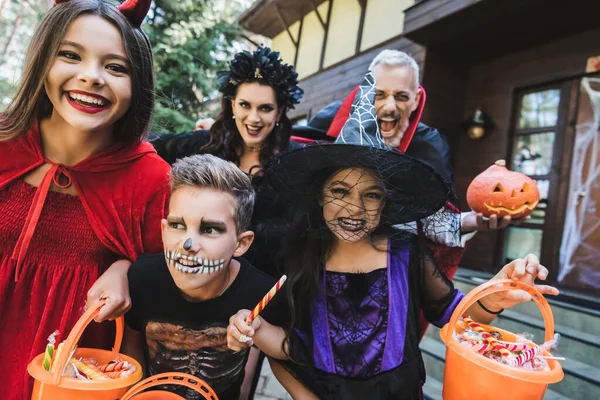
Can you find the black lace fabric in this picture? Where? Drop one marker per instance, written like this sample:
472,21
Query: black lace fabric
436,292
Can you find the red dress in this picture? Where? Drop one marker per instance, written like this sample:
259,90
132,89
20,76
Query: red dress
54,246
64,260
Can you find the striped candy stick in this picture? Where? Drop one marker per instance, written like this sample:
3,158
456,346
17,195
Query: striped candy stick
119,374
88,370
265,300
527,355
482,347
114,366
512,347
486,335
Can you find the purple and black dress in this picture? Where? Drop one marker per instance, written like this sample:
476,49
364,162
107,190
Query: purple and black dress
362,338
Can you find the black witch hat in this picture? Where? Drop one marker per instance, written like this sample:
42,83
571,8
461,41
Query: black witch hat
413,190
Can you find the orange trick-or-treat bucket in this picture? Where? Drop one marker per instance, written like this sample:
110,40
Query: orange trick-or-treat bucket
470,375
54,386
170,378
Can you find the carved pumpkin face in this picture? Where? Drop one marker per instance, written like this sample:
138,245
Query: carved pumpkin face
502,192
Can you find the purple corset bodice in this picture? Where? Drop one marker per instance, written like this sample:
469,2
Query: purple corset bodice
359,320
357,308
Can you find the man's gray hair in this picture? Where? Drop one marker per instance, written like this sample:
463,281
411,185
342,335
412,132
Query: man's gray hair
208,171
396,58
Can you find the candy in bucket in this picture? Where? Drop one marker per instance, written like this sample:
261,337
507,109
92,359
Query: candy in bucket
470,375
522,353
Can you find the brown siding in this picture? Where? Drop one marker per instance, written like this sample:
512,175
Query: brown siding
492,85
444,80
336,82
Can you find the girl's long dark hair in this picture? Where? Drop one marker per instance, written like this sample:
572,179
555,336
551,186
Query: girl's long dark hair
226,142
308,244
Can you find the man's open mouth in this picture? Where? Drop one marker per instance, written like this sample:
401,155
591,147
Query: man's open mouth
388,125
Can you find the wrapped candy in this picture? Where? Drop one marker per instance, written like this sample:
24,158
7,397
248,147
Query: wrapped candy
49,353
486,335
59,350
88,370
114,366
122,373
518,354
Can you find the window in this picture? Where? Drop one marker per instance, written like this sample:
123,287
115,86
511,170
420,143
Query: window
534,137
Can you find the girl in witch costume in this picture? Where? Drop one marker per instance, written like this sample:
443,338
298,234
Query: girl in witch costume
80,194
355,285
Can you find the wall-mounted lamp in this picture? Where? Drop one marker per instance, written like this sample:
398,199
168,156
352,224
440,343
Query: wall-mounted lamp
478,125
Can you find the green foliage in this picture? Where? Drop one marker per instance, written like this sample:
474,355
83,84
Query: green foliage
18,20
192,40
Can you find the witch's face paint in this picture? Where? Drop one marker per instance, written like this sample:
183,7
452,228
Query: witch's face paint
352,202
199,236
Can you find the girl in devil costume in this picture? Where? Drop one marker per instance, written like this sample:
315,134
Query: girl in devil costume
81,195
355,284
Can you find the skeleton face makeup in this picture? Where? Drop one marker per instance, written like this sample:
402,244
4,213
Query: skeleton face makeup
352,202
193,264
200,239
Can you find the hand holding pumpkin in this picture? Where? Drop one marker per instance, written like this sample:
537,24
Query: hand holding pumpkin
473,221
499,197
524,270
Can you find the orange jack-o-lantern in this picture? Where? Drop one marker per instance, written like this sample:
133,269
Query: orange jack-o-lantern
502,192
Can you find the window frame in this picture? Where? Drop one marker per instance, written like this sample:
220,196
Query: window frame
558,175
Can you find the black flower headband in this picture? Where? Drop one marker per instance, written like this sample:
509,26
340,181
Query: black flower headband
262,66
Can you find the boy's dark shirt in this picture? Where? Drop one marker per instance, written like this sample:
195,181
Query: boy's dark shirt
184,336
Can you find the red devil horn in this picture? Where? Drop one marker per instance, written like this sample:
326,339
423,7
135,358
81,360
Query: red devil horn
135,10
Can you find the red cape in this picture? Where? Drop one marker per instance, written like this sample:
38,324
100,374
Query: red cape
124,191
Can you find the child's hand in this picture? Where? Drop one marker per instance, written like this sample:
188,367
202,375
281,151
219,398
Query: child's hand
523,270
114,287
239,333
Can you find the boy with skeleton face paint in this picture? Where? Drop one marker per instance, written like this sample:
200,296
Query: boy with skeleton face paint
182,299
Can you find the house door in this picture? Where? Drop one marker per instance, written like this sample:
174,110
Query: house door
556,141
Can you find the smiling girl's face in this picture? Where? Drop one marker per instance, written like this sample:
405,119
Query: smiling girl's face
256,112
352,201
89,83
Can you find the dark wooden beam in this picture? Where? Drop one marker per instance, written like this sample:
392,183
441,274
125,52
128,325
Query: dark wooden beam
314,6
361,24
298,45
246,37
325,35
286,27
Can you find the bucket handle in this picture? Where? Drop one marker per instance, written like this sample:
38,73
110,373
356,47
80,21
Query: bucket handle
500,286
75,334
173,378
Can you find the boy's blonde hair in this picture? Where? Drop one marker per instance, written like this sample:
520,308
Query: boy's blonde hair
208,171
